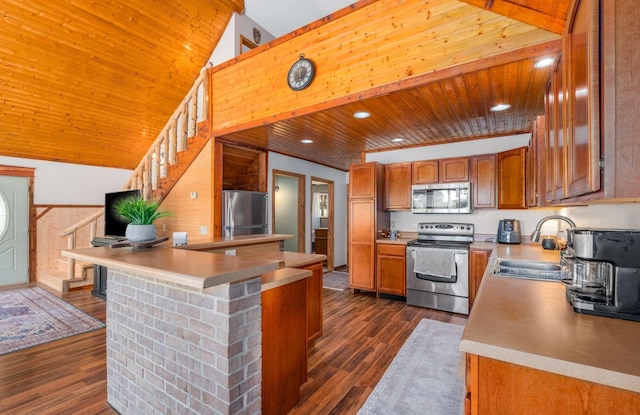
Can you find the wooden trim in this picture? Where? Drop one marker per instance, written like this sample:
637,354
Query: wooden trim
331,215
301,205
522,14
216,183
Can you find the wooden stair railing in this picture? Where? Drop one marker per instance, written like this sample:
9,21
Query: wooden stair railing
168,158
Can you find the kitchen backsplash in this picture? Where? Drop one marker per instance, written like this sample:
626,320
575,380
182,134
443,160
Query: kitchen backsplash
486,221
623,216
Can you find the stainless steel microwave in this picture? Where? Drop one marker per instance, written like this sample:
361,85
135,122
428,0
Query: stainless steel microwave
441,198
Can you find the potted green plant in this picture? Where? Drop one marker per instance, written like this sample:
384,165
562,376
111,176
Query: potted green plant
141,214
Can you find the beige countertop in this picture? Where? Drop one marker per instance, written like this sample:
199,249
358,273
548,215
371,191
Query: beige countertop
282,277
185,267
234,241
291,259
530,323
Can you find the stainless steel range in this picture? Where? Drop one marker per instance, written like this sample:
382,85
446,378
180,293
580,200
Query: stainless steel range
438,266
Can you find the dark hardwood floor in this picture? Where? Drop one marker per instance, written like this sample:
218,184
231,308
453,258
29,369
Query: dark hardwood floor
362,334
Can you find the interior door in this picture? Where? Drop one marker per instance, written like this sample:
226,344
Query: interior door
14,230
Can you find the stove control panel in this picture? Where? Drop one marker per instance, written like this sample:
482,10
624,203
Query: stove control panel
445,228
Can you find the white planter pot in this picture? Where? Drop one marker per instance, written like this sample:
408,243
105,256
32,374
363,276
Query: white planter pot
140,233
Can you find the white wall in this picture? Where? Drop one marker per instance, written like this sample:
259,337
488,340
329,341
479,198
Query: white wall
70,184
281,162
229,45
623,216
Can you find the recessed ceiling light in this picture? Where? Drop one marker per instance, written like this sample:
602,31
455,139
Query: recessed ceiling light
306,141
361,114
500,107
543,63
397,139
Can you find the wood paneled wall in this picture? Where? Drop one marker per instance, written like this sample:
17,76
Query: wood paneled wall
187,214
51,220
371,51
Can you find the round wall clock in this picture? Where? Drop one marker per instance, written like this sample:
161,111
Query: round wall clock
301,74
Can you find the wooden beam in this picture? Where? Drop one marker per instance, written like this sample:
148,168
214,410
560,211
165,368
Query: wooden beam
522,14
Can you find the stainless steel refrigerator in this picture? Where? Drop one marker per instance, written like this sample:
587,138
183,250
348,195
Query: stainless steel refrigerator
244,213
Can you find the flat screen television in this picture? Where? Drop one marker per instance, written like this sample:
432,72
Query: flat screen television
114,224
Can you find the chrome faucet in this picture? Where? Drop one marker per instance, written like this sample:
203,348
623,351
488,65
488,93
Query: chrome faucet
535,236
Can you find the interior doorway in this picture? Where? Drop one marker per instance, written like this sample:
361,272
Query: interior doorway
288,208
322,214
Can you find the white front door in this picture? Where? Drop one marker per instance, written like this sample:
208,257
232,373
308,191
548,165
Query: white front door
14,230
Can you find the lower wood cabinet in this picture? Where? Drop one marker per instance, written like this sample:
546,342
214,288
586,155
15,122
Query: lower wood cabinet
314,303
391,264
284,347
478,260
496,387
362,244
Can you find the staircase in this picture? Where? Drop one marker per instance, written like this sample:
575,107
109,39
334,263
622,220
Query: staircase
177,146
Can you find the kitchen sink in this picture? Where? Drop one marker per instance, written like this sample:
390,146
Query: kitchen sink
534,270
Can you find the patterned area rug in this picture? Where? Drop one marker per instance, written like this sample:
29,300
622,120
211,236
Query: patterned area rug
32,316
425,377
335,280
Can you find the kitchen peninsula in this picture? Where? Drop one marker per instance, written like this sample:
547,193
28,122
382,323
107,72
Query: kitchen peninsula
185,327
529,352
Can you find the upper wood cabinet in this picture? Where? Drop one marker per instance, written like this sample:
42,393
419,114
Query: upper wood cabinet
511,179
484,179
397,181
363,180
535,166
620,122
440,171
424,172
581,60
454,170
555,134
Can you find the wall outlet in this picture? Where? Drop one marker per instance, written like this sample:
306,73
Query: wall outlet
204,230
231,252
194,195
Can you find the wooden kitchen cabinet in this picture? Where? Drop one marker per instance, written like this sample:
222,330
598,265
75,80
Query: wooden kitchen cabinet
555,135
397,181
367,218
581,59
314,303
425,172
391,264
511,179
497,387
535,166
449,170
478,260
484,179
365,180
454,170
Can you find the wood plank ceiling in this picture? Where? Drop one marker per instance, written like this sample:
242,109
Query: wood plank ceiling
94,82
438,106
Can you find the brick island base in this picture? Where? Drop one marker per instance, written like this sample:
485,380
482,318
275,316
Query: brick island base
178,350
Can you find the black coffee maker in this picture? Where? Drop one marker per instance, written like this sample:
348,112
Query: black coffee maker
601,272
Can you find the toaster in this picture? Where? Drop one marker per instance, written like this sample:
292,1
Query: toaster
509,231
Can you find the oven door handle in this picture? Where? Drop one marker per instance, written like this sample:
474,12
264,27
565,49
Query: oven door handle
427,277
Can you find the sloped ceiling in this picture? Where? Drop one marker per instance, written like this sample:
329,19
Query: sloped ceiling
94,82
